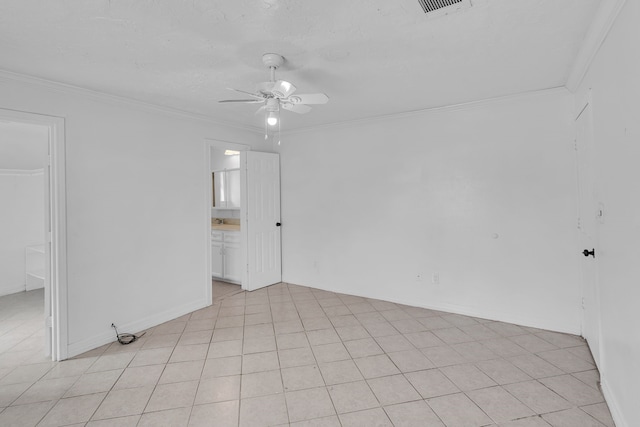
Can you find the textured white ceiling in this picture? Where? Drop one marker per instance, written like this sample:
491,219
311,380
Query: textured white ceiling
22,146
372,57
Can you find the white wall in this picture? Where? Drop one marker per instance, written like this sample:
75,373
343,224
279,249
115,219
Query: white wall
21,225
613,78
136,208
367,208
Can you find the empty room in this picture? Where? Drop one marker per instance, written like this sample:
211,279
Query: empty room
336,213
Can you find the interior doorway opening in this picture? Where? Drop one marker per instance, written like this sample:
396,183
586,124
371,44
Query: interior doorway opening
23,151
45,255
226,259
247,250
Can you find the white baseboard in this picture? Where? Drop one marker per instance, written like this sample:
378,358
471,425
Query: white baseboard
133,327
614,408
14,290
38,286
533,322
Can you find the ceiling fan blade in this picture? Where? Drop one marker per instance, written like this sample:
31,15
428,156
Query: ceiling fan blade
309,98
296,108
246,93
244,101
283,89
261,109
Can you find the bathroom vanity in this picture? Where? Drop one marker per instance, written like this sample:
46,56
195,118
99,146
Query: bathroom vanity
226,257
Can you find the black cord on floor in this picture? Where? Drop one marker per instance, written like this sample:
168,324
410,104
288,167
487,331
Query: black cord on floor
125,339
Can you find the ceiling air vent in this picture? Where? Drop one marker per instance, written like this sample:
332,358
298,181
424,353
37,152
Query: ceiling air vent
443,7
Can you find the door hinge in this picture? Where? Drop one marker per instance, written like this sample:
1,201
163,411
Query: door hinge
48,322
49,159
575,145
247,267
582,303
50,237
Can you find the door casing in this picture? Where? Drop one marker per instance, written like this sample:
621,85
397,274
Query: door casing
588,217
208,145
56,310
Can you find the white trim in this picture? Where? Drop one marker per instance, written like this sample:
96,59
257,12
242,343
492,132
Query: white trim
135,327
555,91
533,322
596,35
66,88
57,218
612,402
208,290
499,316
15,290
225,145
581,102
21,172
58,187
585,106
106,97
244,221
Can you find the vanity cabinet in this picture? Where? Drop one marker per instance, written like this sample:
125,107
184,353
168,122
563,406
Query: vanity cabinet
225,256
216,257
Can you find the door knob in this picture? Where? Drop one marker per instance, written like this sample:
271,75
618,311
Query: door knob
278,224
588,252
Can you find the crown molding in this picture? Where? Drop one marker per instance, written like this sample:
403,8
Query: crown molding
596,35
554,91
21,172
110,98
105,97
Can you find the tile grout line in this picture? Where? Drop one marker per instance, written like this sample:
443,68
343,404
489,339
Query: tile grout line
289,298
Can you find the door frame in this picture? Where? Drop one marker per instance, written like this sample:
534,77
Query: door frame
584,109
56,220
208,145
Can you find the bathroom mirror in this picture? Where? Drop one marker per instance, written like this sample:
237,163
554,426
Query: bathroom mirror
226,189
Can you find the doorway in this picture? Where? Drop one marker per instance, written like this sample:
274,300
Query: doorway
225,250
45,260
249,254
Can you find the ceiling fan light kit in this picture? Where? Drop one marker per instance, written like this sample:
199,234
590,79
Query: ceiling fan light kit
275,95
272,118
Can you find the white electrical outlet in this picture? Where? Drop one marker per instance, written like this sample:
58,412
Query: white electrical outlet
435,279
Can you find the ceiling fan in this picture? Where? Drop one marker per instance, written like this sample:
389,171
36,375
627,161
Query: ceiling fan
277,95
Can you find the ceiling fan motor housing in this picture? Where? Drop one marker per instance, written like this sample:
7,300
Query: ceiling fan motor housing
272,60
272,105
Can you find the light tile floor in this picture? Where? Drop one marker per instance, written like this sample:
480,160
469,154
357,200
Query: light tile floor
295,356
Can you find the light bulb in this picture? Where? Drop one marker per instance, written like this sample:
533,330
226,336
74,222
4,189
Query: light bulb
272,119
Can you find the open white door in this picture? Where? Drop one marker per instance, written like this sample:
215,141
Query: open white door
589,215
261,216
